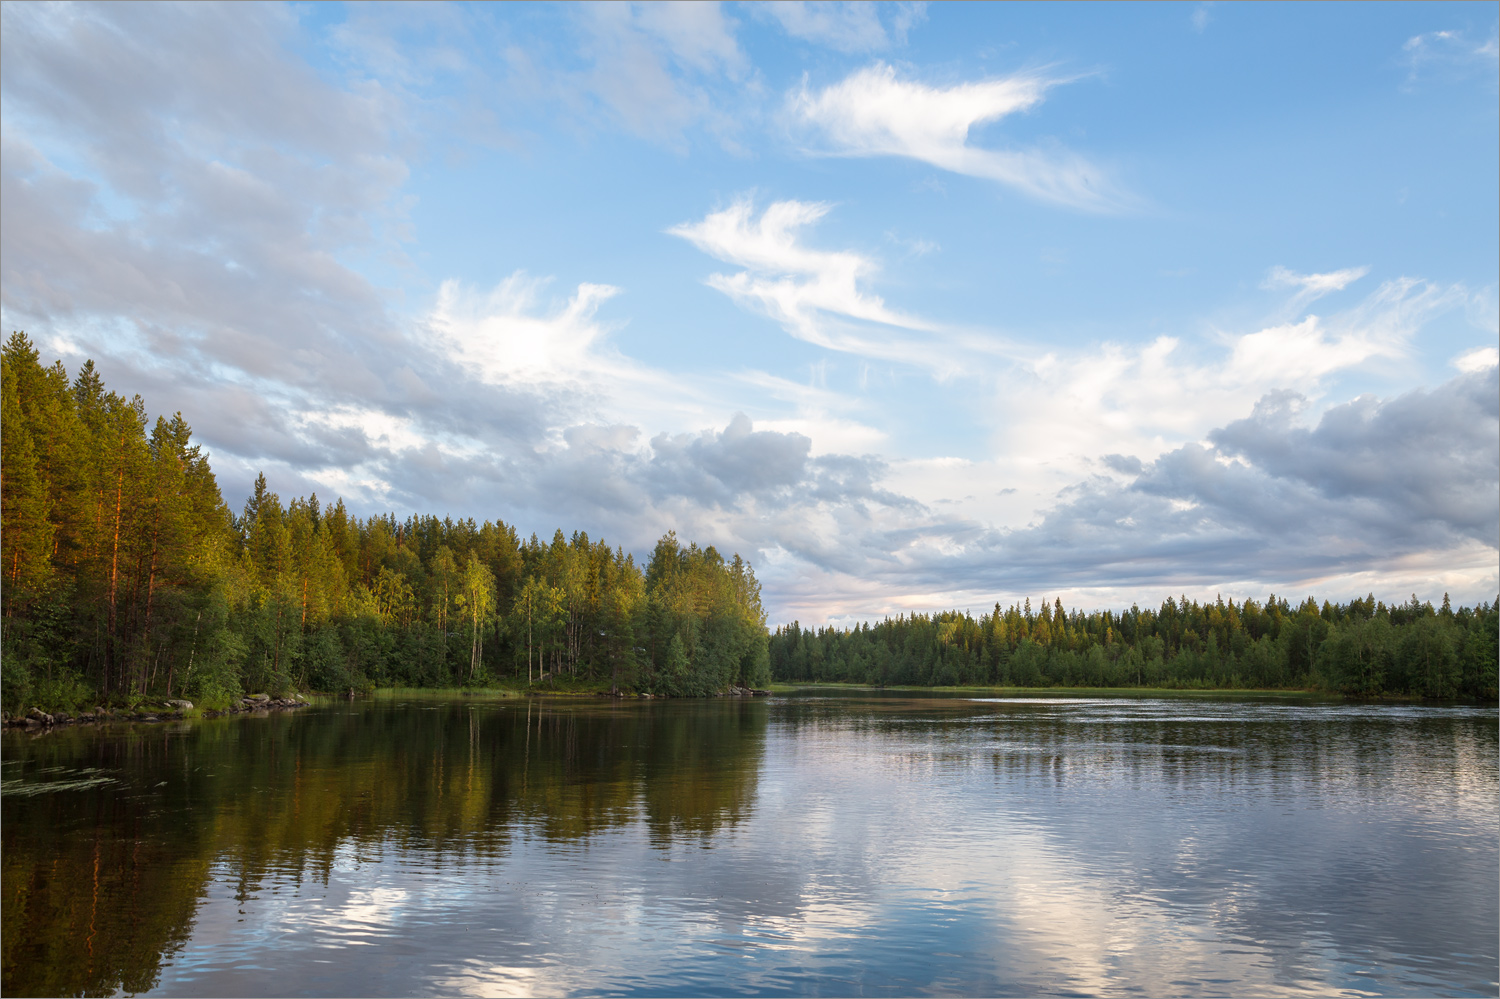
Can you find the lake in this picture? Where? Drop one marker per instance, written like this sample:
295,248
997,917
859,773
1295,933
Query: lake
851,844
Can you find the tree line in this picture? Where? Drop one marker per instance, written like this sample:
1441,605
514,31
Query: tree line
126,574
1363,647
123,573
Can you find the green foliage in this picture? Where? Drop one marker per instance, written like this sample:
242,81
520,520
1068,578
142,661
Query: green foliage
15,682
124,570
1363,648
673,677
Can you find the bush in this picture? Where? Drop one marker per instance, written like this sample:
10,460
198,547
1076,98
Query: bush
213,675
15,682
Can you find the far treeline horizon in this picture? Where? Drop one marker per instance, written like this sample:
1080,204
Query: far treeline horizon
127,577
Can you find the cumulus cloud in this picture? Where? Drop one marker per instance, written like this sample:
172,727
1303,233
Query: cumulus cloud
179,194
559,353
874,113
1070,428
726,465
1478,359
182,196
1129,466
740,487
1142,399
845,27
1420,463
502,336
1373,483
1379,493
1368,494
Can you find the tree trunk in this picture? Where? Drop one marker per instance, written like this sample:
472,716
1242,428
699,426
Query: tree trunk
110,649
151,586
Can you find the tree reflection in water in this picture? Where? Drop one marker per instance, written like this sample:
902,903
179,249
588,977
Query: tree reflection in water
101,882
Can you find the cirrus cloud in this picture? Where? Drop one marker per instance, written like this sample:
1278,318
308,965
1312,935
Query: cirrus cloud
872,112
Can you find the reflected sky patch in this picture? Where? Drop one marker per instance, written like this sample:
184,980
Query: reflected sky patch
813,847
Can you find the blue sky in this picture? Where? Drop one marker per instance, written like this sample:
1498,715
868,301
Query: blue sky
915,307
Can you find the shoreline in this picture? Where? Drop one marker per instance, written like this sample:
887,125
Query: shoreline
967,692
37,720
1050,691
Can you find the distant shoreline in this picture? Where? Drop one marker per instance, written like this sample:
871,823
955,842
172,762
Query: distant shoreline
1299,694
41,720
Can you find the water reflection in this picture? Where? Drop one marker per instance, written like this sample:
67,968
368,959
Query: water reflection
883,846
112,837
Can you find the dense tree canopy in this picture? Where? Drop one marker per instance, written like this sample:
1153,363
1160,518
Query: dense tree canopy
1363,647
126,573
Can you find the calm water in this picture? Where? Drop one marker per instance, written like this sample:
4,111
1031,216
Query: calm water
798,846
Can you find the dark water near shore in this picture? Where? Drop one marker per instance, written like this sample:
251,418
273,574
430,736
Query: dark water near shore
798,846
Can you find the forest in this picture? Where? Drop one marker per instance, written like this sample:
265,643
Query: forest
127,575
1363,648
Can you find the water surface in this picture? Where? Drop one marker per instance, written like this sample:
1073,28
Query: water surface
802,846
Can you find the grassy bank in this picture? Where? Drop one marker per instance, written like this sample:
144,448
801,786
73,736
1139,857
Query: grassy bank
564,686
444,693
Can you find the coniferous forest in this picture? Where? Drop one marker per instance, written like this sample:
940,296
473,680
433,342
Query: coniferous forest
1363,648
126,574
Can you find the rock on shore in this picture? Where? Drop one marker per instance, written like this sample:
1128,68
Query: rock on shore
156,711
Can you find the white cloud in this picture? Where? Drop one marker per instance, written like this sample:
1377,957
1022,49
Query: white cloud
696,34
1302,353
1391,495
509,336
1477,359
846,27
1055,413
503,338
660,68
811,293
146,149
512,337
1051,414
872,113
484,76
1108,474
835,422
1311,286
1450,54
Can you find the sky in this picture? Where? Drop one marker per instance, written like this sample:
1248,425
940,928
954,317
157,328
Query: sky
915,307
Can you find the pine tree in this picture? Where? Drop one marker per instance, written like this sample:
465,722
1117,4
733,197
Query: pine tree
26,531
